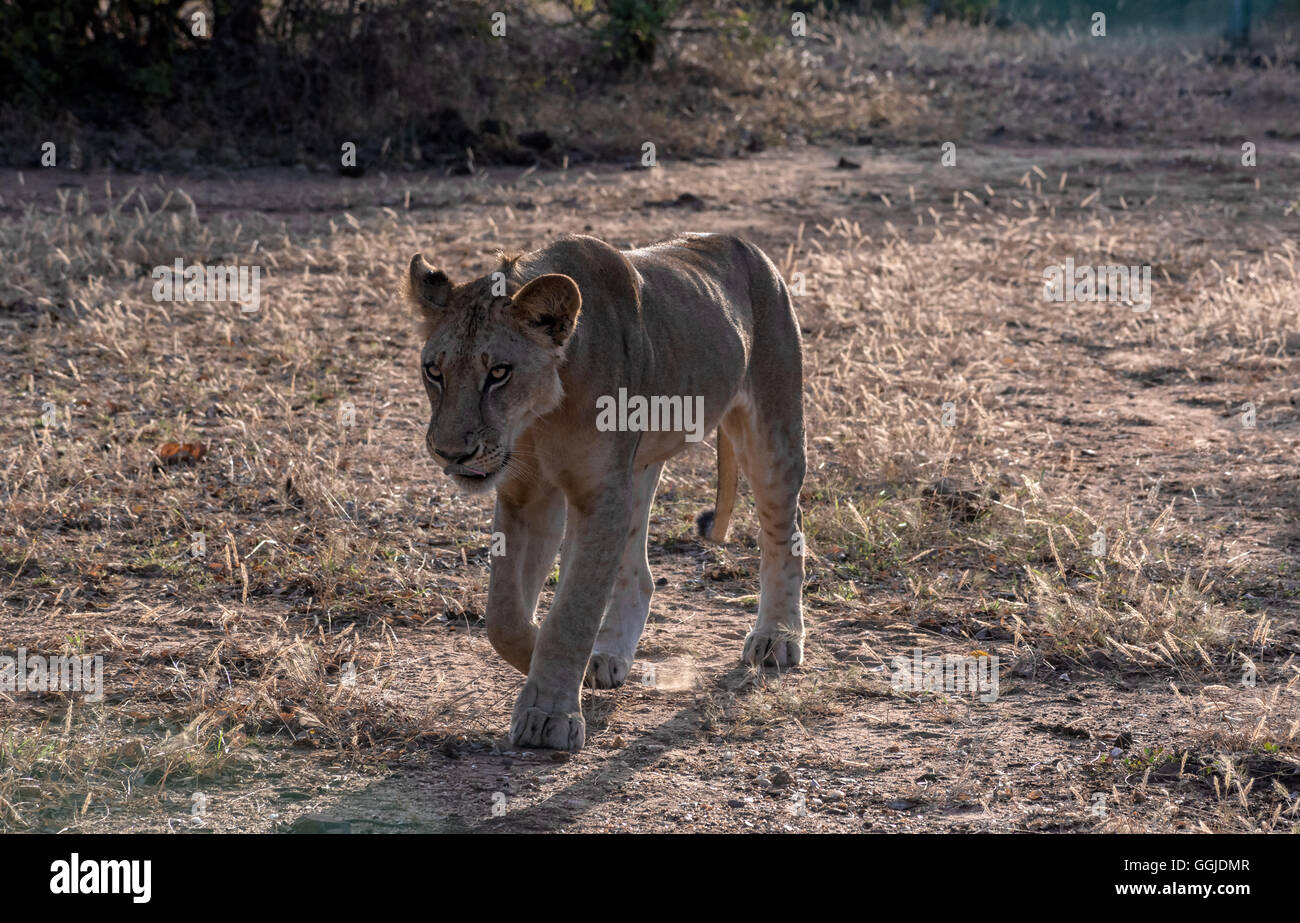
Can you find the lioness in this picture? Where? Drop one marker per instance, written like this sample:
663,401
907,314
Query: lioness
516,364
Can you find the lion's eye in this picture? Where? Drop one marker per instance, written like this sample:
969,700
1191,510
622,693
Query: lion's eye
498,374
433,375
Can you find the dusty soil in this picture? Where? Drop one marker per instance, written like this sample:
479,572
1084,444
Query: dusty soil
1121,705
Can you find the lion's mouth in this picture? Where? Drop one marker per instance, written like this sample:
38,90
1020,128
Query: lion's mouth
473,473
464,471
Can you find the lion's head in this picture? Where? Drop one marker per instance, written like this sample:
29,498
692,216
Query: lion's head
490,364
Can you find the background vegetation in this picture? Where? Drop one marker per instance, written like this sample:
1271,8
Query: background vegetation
137,84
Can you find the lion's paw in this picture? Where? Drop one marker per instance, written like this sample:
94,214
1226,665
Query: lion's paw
538,721
607,671
773,647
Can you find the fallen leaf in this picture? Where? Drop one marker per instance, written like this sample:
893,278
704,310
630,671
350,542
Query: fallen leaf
174,453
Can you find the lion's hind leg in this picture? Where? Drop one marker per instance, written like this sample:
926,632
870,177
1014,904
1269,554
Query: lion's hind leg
713,523
769,444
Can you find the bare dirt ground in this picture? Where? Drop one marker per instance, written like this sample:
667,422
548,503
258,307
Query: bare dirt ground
320,664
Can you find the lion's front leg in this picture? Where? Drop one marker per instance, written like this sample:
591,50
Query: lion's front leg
629,604
548,712
527,527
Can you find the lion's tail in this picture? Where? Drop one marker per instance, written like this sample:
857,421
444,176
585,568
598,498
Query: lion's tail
713,523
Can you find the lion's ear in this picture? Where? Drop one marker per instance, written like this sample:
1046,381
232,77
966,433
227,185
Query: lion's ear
550,304
427,289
